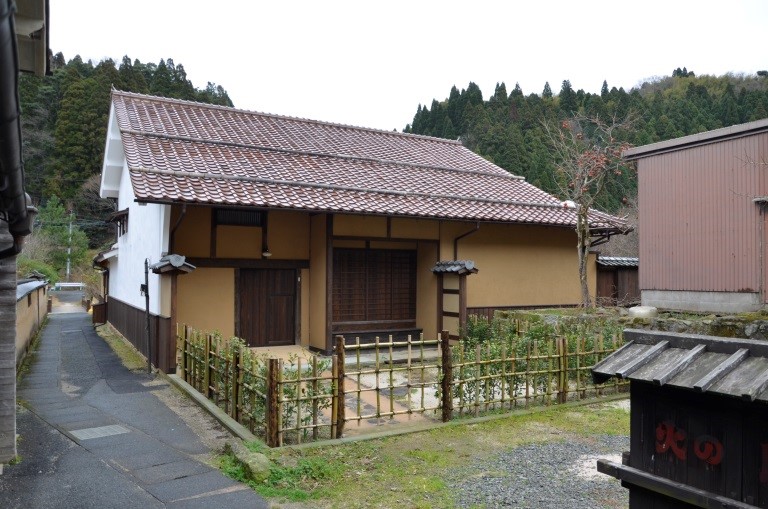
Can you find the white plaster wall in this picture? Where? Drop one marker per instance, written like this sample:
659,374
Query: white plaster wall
146,238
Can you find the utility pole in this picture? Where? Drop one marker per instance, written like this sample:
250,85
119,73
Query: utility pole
69,245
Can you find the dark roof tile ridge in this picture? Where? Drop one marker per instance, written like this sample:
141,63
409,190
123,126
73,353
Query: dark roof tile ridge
347,157
283,117
262,180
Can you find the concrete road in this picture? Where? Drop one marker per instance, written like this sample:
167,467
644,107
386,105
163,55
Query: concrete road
92,434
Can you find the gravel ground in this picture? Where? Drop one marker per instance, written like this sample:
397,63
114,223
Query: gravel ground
559,475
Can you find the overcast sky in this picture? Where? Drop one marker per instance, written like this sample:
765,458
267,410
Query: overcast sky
370,63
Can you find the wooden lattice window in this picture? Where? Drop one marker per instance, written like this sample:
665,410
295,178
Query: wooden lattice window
238,217
374,285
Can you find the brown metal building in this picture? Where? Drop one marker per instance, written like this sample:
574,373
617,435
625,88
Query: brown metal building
702,219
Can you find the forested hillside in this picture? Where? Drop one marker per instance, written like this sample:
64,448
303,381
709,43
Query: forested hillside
65,121
64,126
507,127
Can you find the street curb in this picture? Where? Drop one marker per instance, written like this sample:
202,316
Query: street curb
217,413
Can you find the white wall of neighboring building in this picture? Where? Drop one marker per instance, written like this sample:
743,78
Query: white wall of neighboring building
147,235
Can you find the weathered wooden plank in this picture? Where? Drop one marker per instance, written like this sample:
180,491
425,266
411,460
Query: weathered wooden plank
721,370
643,359
674,368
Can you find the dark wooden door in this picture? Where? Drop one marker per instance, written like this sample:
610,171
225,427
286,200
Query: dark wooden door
267,307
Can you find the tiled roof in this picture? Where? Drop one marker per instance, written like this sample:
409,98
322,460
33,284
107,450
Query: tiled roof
455,267
618,261
179,151
23,289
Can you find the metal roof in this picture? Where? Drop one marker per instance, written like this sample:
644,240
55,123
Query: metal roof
617,261
725,133
704,364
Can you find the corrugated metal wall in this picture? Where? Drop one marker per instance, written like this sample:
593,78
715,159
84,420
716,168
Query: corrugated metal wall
699,227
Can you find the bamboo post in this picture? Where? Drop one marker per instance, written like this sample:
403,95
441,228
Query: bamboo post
562,355
340,406
182,348
298,401
235,381
272,431
190,362
238,383
461,378
334,398
378,381
252,394
503,373
445,383
279,401
477,374
207,371
315,392
391,381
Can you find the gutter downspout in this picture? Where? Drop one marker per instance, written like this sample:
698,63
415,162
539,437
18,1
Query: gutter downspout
456,240
172,240
14,202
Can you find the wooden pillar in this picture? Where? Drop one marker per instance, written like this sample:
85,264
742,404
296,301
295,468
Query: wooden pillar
445,383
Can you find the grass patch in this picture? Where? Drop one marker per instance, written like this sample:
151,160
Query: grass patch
419,469
130,358
307,479
26,362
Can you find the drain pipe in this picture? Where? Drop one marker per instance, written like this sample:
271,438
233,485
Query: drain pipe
456,240
176,225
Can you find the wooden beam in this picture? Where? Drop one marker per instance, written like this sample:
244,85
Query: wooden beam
671,489
214,227
248,263
462,302
328,282
439,301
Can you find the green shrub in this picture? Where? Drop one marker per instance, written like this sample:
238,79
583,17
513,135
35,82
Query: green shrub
506,358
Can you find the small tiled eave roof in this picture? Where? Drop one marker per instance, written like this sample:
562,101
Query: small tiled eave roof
704,364
618,261
460,267
25,288
185,152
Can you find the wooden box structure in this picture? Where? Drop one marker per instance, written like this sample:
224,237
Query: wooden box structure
617,281
699,420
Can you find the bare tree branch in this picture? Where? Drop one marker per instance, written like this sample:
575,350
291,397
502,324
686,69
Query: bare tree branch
586,154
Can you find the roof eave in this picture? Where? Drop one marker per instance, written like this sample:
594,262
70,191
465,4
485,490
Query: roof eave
694,140
597,230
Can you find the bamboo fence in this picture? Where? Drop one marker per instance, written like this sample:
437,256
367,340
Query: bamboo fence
389,381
